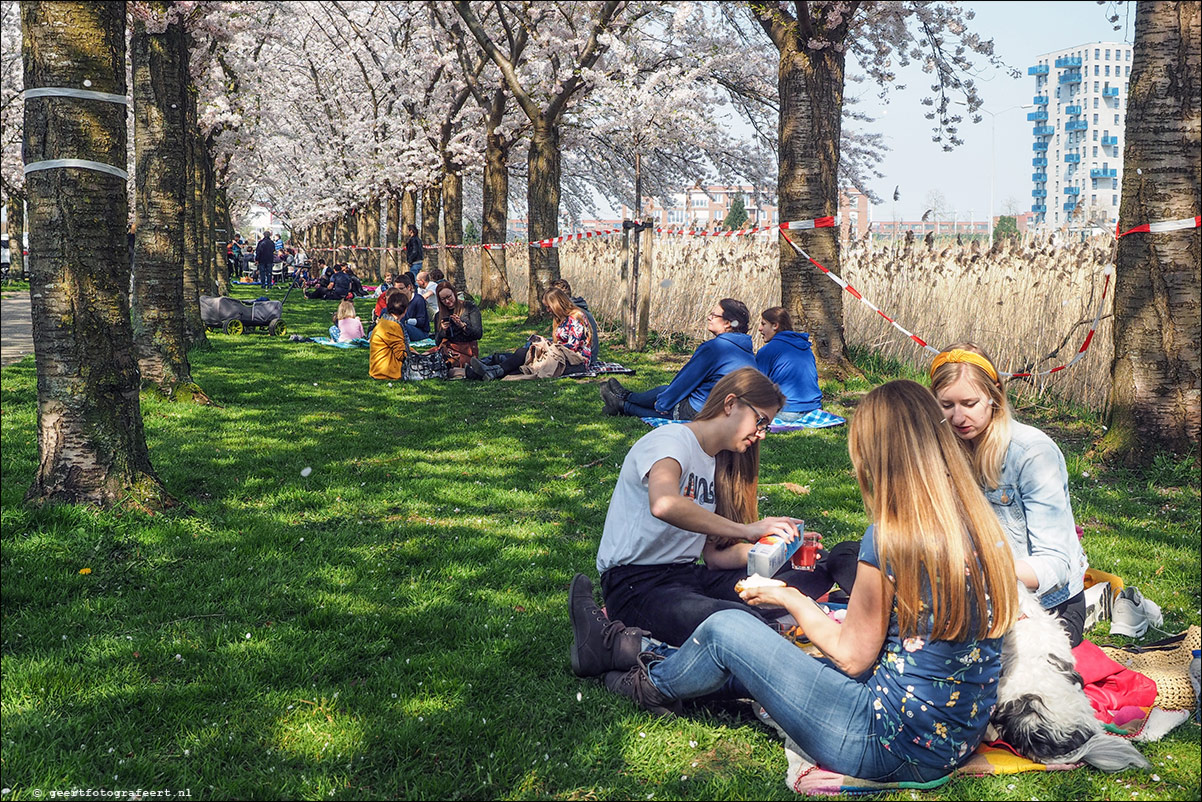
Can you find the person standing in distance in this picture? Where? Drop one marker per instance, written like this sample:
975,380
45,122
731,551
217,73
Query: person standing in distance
414,252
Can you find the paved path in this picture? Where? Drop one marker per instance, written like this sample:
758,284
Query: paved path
16,328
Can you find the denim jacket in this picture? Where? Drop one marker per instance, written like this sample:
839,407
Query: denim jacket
1032,502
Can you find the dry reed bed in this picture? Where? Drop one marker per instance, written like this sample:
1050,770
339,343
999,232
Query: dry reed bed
1027,302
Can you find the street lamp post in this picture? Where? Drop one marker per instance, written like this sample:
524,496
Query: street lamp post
993,152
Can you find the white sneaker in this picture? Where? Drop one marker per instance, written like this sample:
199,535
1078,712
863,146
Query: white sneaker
1131,614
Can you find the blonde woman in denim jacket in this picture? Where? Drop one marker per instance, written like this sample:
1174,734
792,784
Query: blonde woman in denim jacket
1023,474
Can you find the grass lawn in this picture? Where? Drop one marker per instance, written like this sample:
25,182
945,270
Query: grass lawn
393,624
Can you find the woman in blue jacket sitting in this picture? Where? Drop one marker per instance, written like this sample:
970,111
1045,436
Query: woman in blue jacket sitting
787,359
729,350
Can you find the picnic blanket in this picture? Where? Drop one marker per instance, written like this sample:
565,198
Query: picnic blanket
358,342
599,369
815,419
996,758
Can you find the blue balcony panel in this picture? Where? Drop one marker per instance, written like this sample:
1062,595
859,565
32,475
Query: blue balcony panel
1072,158
1076,125
1039,146
1072,110
1040,100
1110,91
1070,78
1039,193
1038,208
1039,161
1068,61
1102,172
1043,130
1072,190
1036,116
1068,207
1038,69
1039,178
1110,140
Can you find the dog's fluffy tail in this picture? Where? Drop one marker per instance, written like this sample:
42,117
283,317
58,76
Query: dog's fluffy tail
1108,753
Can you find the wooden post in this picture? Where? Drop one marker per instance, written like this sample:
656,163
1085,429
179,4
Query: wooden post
642,315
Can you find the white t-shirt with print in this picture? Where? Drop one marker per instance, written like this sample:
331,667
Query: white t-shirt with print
632,535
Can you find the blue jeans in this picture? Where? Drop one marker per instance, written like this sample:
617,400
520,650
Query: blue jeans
828,714
415,333
265,275
642,405
415,268
334,332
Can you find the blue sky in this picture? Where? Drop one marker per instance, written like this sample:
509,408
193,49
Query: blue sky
1021,32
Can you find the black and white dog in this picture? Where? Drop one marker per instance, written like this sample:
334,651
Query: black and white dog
1042,709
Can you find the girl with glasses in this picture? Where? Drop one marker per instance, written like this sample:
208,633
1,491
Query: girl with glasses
730,350
908,680
685,491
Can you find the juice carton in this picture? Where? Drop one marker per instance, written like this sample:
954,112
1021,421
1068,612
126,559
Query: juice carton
771,552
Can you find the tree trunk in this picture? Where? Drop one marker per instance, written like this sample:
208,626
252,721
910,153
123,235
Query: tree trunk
226,233
431,203
360,256
1155,402
158,294
373,235
393,261
194,330
494,284
207,217
91,445
811,103
452,214
16,235
329,240
408,214
542,203
345,238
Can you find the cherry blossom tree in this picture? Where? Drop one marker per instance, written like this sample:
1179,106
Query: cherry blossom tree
544,77
813,40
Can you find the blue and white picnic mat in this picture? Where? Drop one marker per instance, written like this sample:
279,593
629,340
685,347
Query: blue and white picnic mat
815,419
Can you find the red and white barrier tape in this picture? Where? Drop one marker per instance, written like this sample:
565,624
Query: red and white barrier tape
1160,226
819,222
1107,272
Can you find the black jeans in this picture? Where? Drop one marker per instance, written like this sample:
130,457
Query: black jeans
1071,615
672,600
511,363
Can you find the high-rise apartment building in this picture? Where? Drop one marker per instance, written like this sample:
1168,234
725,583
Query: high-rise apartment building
1080,110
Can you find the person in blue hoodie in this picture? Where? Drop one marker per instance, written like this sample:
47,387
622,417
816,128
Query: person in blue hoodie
787,359
729,350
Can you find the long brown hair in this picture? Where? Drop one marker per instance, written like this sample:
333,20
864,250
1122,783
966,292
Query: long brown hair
446,285
737,476
987,451
932,523
561,307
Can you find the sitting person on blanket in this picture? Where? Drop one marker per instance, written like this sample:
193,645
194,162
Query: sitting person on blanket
907,682
570,343
582,305
729,350
690,490
787,359
1024,477
457,326
416,320
347,325
384,285
386,359
379,310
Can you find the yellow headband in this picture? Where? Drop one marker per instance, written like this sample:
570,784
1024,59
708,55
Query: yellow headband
960,355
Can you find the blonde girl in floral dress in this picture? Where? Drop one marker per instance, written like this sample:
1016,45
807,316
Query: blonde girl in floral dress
910,677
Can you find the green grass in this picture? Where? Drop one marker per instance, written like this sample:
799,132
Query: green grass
394,625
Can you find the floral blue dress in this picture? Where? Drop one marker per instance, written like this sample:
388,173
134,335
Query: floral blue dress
933,699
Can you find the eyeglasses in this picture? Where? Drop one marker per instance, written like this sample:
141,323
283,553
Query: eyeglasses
762,421
711,316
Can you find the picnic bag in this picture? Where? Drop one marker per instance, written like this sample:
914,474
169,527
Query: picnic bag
424,366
